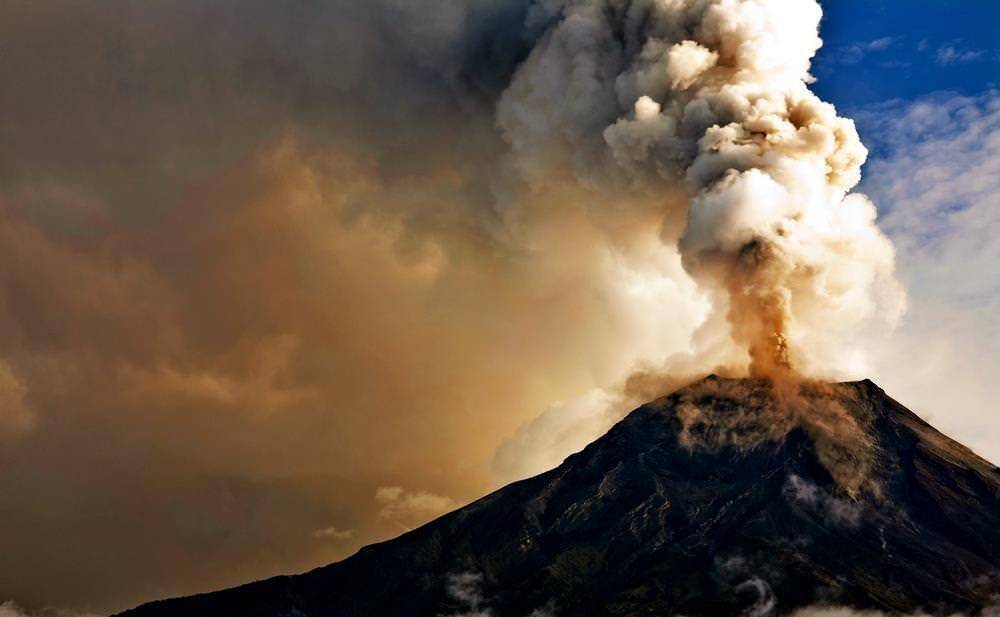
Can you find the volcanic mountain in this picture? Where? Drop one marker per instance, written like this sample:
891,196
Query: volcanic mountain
727,497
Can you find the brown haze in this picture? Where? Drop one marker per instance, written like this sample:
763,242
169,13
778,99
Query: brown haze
280,279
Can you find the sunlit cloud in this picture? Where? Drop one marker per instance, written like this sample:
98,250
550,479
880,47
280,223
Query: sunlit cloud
936,179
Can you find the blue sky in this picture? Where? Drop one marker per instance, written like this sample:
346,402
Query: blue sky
876,51
882,49
922,81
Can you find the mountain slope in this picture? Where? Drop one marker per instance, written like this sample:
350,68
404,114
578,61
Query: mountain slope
727,497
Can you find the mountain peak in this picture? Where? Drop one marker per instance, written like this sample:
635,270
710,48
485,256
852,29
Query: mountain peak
726,497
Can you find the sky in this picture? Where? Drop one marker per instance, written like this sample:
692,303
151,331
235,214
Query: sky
882,50
921,80
272,287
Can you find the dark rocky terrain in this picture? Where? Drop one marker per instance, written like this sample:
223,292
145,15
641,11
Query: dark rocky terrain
728,497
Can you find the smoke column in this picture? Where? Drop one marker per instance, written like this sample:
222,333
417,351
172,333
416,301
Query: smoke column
712,97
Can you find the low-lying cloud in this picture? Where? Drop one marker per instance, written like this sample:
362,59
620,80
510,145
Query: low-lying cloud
836,509
334,533
410,509
466,590
848,612
11,609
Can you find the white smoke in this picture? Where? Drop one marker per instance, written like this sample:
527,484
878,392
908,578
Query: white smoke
836,509
701,110
706,105
765,603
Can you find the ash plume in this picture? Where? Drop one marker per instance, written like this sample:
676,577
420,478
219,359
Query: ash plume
705,105
698,114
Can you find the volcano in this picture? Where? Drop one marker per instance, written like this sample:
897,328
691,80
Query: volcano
727,497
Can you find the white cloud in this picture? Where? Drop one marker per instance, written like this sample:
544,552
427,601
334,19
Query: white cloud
882,43
334,533
10,609
411,509
949,54
852,54
935,175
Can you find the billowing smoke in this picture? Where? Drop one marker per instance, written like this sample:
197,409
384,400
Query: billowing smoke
700,112
704,105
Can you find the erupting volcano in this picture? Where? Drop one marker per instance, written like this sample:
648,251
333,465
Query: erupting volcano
281,279
726,497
